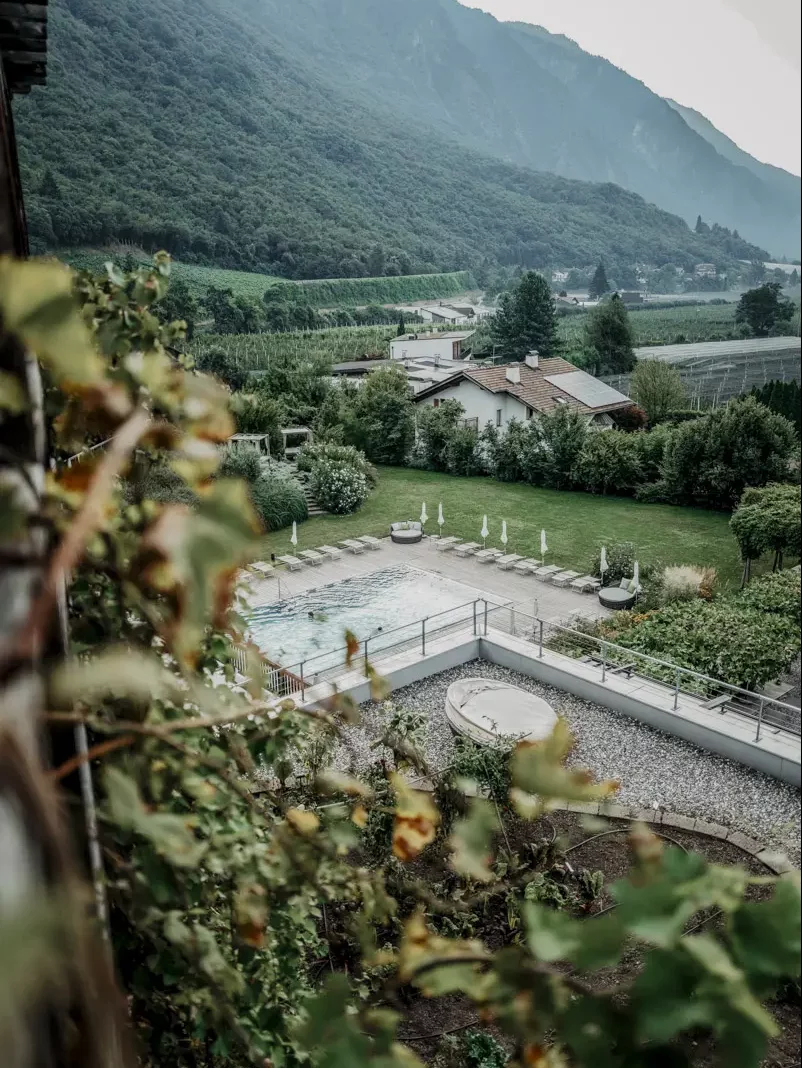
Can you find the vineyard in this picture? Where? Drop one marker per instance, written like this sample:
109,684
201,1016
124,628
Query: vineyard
323,293
253,352
652,326
399,289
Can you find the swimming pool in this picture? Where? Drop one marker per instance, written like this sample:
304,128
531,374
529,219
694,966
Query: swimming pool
314,623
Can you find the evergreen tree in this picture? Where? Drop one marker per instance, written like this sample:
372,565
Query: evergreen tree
536,316
402,327
503,328
49,187
702,227
527,318
599,284
609,338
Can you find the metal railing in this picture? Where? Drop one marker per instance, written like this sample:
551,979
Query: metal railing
335,663
612,659
478,617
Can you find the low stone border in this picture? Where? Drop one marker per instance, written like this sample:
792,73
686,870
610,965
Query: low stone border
770,858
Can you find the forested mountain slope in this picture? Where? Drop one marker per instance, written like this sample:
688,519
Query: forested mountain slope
535,98
786,184
202,127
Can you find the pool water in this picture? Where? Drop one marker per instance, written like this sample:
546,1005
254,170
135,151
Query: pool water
314,623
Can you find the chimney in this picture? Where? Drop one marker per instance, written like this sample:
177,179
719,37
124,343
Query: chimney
514,374
532,359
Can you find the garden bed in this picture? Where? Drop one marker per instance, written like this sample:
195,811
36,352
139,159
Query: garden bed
427,1021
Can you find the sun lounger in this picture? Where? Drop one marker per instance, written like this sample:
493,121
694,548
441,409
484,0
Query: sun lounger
371,542
526,567
484,556
444,544
353,546
564,578
292,563
586,584
263,568
330,550
506,562
467,548
544,573
312,557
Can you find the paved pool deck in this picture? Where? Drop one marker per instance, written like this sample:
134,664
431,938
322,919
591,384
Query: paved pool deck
488,581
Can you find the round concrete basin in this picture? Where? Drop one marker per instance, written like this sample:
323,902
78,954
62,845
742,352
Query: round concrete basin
486,711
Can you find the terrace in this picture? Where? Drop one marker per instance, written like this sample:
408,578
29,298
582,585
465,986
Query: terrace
515,621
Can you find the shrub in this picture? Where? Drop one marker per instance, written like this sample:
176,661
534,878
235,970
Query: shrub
620,562
778,593
339,487
462,454
651,447
726,639
241,463
609,463
685,583
631,418
473,1049
159,483
279,502
316,451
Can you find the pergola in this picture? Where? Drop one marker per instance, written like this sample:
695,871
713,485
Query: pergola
302,432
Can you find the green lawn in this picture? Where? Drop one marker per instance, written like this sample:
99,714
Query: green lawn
574,522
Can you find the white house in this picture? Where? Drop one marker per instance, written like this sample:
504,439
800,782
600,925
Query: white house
519,390
443,347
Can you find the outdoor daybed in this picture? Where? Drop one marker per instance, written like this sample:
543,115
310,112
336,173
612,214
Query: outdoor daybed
406,533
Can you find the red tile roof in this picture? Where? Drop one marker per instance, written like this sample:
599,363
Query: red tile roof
533,390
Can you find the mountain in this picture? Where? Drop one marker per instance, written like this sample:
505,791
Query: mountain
785,183
534,98
224,131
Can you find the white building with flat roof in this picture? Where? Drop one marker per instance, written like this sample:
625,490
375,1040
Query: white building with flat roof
445,346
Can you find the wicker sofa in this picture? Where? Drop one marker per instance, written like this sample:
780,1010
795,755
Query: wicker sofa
406,533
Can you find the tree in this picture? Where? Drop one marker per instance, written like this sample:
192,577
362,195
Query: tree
657,387
385,416
609,339
609,462
376,262
785,398
527,318
598,284
756,272
762,308
793,278
436,428
49,188
711,460
701,226
767,520
178,304
564,433
402,326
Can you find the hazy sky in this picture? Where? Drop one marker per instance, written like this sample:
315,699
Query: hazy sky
735,61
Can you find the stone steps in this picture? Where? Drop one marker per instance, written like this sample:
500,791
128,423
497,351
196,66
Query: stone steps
312,505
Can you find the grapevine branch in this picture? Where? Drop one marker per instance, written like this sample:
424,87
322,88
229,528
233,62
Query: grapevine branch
86,522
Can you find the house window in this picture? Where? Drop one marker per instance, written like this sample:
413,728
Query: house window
436,402
529,413
498,416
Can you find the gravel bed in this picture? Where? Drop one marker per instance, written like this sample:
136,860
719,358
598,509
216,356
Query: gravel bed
651,766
